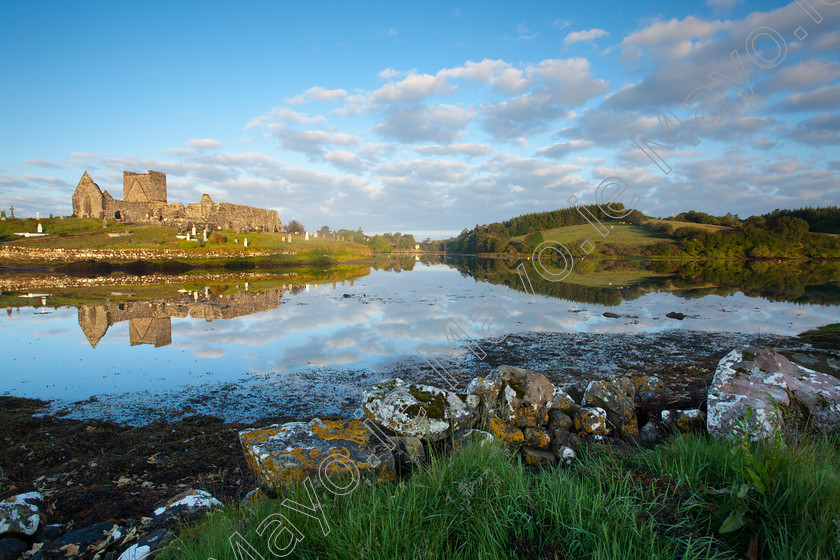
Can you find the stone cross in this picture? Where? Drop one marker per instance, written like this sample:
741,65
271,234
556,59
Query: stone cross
37,215
12,210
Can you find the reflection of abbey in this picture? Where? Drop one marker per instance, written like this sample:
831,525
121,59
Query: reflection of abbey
144,202
149,321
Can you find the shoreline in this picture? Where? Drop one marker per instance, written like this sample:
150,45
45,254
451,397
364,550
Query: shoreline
91,470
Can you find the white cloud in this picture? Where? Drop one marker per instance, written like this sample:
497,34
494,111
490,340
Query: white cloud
204,144
412,88
318,93
589,35
823,98
417,123
563,149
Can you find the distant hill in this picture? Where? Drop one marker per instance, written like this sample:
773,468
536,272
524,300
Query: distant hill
692,234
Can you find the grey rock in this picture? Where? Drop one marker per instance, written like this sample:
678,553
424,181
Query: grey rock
559,420
616,396
525,397
419,410
187,503
766,382
147,545
649,434
21,515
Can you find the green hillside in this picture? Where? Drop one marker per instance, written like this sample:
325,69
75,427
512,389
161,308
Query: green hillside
688,235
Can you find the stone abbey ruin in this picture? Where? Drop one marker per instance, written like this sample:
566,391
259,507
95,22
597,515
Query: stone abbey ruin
144,202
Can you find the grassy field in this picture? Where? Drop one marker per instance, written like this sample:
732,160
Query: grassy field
620,235
677,225
690,498
75,233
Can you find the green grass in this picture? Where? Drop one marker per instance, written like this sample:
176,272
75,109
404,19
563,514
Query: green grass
53,226
664,503
709,228
75,233
832,328
619,235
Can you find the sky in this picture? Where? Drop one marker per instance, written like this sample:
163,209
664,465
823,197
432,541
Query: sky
424,118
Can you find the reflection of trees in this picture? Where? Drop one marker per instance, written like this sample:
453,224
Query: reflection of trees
395,264
797,282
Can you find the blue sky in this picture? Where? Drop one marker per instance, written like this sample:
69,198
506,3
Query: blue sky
424,119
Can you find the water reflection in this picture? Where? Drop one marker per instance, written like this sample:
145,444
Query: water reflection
289,342
611,282
149,322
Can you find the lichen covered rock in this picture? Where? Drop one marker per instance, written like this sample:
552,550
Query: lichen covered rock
592,420
419,410
563,402
507,434
648,386
767,384
287,454
615,395
487,390
564,454
21,515
525,396
537,438
188,502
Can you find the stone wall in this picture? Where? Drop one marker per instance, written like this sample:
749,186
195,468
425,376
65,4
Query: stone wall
87,199
144,187
145,203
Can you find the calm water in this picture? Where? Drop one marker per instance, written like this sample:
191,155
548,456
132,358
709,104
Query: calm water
241,352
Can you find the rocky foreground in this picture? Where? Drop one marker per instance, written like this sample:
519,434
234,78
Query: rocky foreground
755,391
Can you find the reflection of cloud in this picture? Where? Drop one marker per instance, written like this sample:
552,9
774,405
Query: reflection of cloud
209,353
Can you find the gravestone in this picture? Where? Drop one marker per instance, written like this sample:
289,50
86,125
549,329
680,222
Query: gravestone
40,228
307,237
12,210
37,215
3,214
193,230
246,242
104,223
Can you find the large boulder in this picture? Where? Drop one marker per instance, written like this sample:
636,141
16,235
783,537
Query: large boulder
419,410
525,397
615,395
287,454
768,384
21,515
